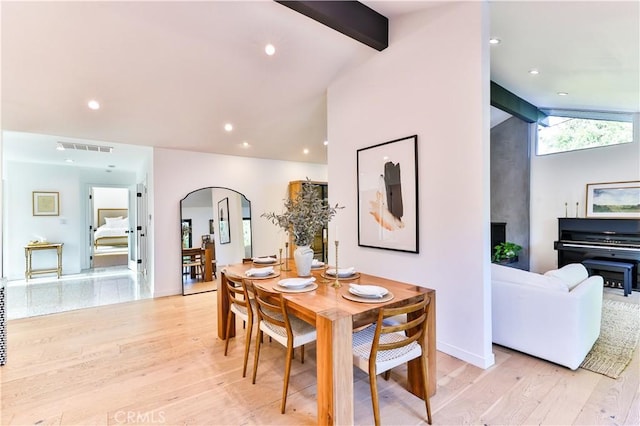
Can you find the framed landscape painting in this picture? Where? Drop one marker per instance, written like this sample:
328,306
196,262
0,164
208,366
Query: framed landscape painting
613,200
387,176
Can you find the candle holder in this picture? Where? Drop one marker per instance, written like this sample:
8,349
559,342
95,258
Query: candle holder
336,283
286,259
280,258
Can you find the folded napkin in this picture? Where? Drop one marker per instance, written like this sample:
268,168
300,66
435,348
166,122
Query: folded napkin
266,259
342,272
259,272
367,290
316,262
296,282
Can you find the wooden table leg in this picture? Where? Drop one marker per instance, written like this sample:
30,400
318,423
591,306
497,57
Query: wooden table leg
334,368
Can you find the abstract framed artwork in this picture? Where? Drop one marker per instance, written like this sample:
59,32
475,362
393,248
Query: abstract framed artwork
46,203
387,176
223,221
613,200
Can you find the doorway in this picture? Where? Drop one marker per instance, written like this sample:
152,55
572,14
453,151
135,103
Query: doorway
110,227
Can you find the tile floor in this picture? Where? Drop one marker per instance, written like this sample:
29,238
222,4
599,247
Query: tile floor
95,287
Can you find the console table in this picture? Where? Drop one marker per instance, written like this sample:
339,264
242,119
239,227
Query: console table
28,251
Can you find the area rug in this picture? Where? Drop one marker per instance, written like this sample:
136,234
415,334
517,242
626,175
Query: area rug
619,334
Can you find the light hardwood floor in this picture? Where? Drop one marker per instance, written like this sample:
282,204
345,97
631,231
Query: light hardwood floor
159,361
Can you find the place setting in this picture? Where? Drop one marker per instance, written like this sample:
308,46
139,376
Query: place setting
261,273
341,274
316,264
367,293
296,285
265,260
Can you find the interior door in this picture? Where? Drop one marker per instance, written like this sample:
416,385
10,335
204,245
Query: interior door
138,258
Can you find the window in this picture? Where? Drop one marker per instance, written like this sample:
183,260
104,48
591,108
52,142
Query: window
573,130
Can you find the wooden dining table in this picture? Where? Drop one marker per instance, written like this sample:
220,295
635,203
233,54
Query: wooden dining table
335,317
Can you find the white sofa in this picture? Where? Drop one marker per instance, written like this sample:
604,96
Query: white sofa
553,316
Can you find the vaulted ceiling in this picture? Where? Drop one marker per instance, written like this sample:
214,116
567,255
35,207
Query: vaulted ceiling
171,74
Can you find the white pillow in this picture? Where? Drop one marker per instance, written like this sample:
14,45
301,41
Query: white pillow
122,223
110,220
571,274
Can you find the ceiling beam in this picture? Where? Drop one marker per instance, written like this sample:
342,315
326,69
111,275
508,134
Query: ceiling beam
513,104
351,18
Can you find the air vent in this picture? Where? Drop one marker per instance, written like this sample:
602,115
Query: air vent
86,147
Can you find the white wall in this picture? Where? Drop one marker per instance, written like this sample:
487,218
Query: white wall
563,177
176,173
432,81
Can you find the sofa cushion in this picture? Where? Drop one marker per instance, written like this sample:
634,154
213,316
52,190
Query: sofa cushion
518,276
572,274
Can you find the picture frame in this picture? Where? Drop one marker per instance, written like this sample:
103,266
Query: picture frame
223,221
613,200
387,179
46,203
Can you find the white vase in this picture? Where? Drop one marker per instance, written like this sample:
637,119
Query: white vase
303,256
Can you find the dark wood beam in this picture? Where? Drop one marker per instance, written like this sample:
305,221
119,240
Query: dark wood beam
351,18
513,104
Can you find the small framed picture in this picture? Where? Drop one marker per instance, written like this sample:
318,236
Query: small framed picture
223,221
46,203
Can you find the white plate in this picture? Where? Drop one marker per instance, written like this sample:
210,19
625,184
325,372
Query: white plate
258,272
296,282
342,273
265,260
372,291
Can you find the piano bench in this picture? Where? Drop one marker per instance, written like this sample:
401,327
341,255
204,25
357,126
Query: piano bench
609,266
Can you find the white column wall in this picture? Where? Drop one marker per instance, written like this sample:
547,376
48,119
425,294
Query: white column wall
433,81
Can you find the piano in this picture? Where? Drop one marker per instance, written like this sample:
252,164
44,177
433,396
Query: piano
604,239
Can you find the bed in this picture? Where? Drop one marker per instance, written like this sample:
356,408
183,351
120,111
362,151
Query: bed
112,227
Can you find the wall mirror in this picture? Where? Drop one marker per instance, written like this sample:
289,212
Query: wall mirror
204,247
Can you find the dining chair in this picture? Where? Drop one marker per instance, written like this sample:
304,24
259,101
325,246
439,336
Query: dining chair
242,306
286,329
382,346
193,259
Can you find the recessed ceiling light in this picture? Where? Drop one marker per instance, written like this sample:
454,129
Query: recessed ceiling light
245,144
534,71
306,151
562,93
93,104
68,160
326,143
494,40
270,49
228,127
